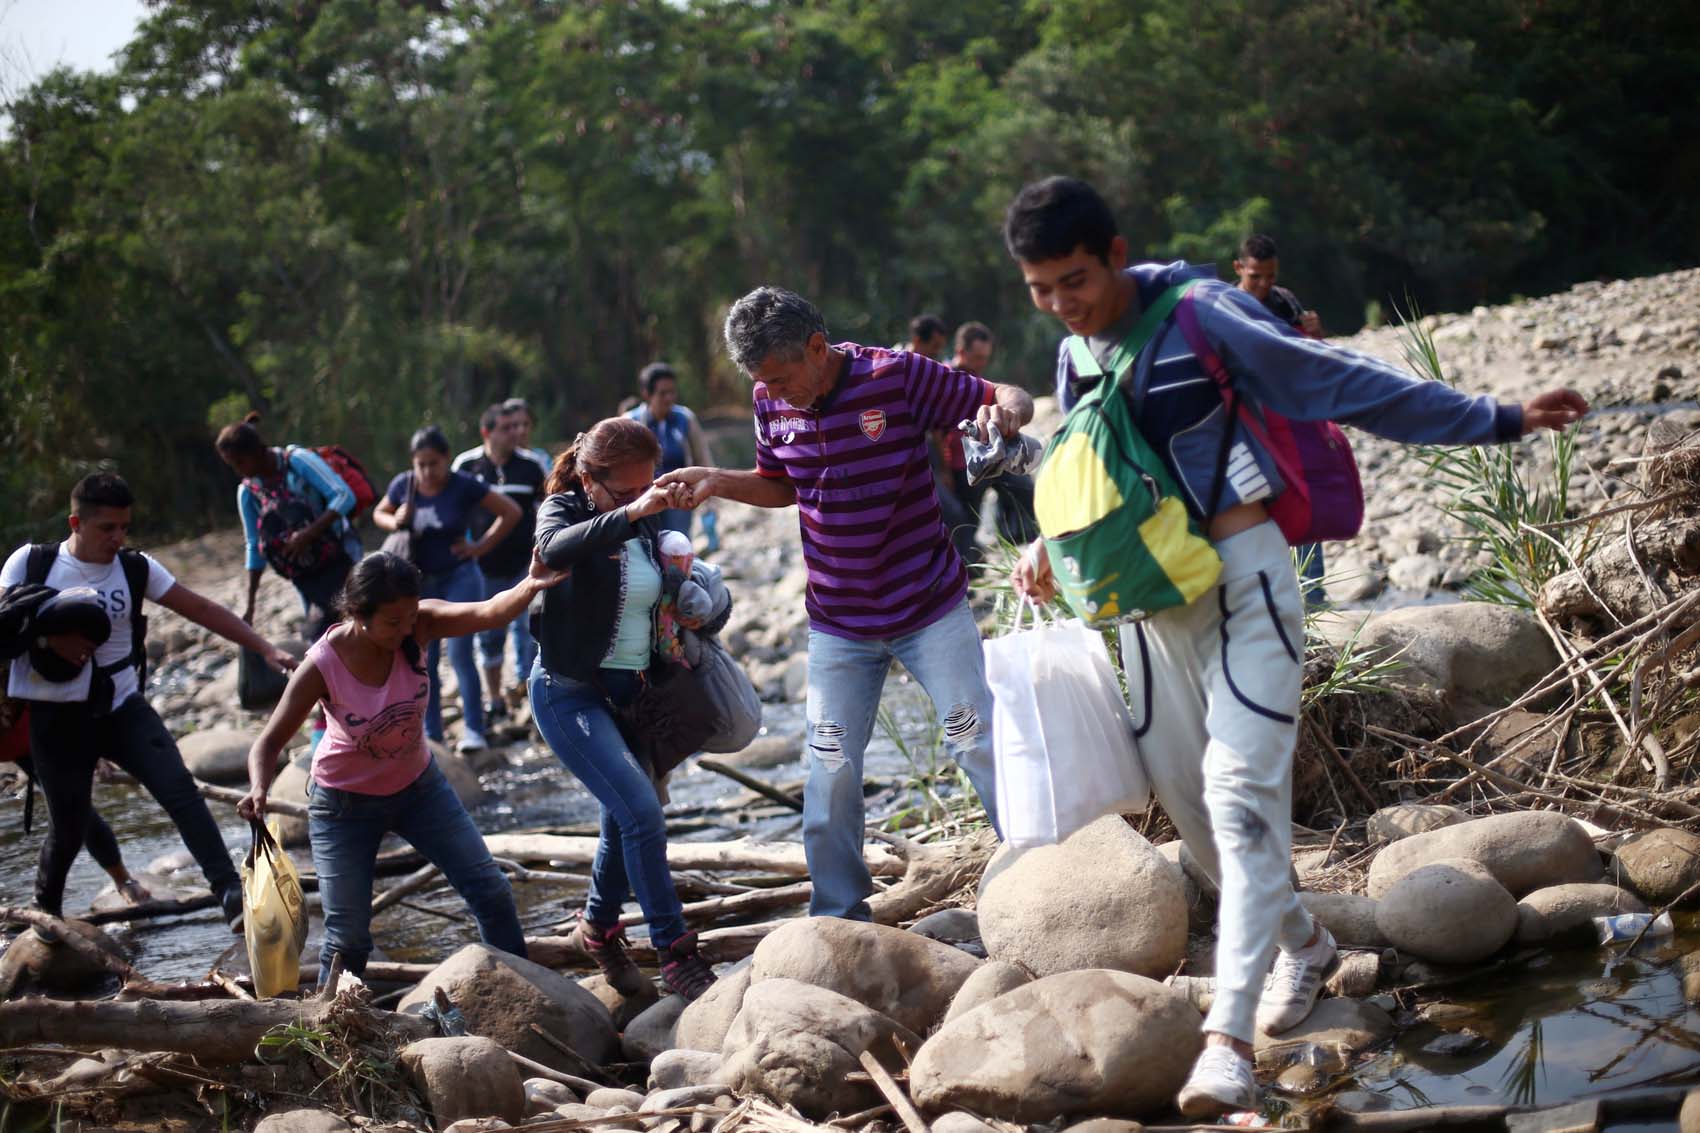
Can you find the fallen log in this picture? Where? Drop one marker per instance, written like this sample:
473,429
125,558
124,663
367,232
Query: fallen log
150,910
784,858
214,1031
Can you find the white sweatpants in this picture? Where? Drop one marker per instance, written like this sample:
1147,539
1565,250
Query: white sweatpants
1214,688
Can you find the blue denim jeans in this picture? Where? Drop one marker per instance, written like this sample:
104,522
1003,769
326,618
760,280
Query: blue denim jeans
463,584
631,854
345,828
490,641
846,677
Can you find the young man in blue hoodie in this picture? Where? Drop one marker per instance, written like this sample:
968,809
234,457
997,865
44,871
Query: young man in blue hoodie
1215,685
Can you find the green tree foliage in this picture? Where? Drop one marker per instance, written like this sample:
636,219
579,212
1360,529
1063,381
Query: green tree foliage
359,215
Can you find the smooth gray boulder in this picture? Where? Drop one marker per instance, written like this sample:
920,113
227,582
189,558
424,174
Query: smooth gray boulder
798,1044
1342,1027
466,1076
1401,820
303,1121
1661,865
1450,911
1350,918
960,1123
948,925
218,755
1103,898
1524,850
990,980
1097,1041
543,1095
672,1069
652,1031
502,995
905,977
1476,654
704,1023
1561,913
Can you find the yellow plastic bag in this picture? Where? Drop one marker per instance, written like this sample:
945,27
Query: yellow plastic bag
274,915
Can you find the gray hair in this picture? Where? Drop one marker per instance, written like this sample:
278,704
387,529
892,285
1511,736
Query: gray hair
770,322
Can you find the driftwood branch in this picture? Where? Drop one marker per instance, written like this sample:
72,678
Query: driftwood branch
233,796
784,858
889,1089
410,884
214,1031
766,790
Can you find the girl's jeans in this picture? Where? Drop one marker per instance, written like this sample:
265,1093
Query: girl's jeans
345,828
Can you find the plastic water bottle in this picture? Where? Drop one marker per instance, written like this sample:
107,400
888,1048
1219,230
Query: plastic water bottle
1626,926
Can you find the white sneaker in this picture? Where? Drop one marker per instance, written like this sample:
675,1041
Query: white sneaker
1221,1082
471,741
1289,992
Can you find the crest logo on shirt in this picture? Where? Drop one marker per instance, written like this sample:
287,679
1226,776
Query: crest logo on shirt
873,423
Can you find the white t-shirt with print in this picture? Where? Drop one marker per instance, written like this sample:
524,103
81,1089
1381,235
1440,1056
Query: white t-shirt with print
114,595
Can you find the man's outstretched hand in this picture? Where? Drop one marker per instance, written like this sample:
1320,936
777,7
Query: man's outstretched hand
1554,409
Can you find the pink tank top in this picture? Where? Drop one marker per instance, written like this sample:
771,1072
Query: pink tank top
374,741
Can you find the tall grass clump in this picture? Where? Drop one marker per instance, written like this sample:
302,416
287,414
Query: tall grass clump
1491,498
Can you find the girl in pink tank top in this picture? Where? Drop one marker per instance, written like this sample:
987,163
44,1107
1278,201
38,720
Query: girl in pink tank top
374,739
372,773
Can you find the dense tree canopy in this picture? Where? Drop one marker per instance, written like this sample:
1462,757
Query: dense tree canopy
358,215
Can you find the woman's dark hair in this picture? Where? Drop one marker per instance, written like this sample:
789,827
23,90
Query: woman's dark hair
375,582
653,373
611,442
429,437
242,438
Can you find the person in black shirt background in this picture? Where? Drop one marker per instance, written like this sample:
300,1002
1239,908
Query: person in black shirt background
517,474
1258,266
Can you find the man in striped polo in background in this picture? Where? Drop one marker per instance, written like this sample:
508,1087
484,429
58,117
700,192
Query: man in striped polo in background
841,431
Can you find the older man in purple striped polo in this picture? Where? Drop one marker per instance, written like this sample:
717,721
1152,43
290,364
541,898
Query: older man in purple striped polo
841,431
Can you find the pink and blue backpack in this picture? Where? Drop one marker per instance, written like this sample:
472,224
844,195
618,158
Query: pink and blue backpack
1324,499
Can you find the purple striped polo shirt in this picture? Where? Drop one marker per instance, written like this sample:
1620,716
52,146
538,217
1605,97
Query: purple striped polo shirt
880,562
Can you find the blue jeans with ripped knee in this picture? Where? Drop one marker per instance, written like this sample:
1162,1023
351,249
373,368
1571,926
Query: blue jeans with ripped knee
846,677
631,853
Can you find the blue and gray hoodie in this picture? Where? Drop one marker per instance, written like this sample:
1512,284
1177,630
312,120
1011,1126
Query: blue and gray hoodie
1181,413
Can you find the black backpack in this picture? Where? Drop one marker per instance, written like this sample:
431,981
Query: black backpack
135,565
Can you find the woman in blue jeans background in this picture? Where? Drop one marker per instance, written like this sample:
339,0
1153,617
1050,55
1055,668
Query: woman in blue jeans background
372,774
597,640
443,501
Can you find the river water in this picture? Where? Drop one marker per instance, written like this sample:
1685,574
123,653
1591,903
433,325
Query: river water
533,793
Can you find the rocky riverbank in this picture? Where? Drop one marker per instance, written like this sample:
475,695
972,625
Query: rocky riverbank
989,996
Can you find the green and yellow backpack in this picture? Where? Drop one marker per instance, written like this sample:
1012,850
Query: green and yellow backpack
1121,543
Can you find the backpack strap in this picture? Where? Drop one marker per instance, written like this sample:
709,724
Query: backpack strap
1186,318
136,571
1127,351
40,562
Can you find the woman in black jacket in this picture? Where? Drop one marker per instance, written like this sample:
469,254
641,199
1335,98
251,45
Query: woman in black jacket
597,645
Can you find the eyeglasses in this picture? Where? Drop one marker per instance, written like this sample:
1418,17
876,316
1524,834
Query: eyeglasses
621,499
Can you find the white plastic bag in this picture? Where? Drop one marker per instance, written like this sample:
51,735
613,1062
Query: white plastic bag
1061,733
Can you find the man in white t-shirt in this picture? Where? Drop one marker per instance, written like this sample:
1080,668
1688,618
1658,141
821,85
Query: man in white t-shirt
100,712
